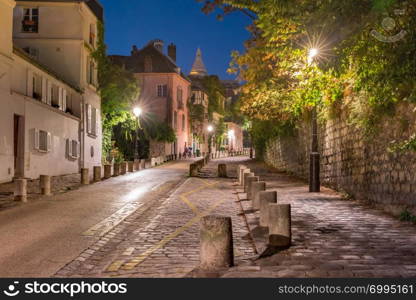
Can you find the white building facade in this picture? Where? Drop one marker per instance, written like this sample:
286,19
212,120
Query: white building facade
50,122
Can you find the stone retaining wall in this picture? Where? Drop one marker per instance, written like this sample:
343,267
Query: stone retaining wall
362,167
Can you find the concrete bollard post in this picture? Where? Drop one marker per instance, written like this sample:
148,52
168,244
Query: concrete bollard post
85,176
45,184
216,238
107,171
242,172
142,164
246,175
250,181
116,170
222,170
280,228
239,168
20,190
123,166
97,173
266,198
256,188
130,166
193,170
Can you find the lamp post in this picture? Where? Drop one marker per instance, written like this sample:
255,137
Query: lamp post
314,156
137,111
210,130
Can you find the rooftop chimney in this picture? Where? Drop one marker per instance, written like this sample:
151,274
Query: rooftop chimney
172,51
134,50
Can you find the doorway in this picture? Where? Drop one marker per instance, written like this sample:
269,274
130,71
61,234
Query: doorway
18,145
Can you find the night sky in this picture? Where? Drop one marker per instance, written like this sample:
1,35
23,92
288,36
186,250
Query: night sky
135,22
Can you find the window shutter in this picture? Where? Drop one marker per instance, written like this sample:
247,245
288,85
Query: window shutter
97,123
29,91
60,95
44,90
89,118
64,98
36,139
77,149
68,148
49,96
49,143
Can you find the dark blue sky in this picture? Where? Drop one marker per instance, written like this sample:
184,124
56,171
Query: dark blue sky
135,22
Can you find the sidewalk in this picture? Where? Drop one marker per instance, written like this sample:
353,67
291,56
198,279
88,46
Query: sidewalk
332,237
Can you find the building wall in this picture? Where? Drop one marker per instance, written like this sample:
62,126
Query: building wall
164,108
362,167
235,142
63,44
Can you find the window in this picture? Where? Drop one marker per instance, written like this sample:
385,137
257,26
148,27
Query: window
72,149
90,71
162,90
180,97
43,140
175,120
55,96
30,21
148,65
92,34
37,87
92,120
183,123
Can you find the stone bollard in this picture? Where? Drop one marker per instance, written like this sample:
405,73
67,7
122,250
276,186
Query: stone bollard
107,171
222,170
142,164
20,190
266,198
123,167
256,188
280,228
216,238
245,176
97,173
242,172
193,170
130,166
250,181
45,184
85,176
239,168
116,170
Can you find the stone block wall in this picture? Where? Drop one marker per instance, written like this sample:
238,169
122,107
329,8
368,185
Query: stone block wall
353,163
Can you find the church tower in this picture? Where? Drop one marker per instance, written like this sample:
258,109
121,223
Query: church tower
198,68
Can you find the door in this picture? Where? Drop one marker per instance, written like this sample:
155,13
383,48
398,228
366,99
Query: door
18,144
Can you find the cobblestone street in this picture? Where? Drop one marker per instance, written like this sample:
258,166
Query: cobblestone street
164,242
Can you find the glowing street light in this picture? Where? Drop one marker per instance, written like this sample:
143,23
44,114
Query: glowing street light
210,128
313,52
137,111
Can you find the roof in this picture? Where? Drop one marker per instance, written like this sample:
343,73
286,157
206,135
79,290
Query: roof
198,68
135,63
23,54
94,5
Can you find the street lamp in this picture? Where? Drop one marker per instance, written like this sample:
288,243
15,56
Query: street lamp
137,111
314,157
210,130
231,136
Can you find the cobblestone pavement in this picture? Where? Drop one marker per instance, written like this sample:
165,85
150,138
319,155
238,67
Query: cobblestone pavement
332,237
59,184
164,240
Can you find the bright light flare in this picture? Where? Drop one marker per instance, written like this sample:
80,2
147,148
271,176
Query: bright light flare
210,128
137,111
231,134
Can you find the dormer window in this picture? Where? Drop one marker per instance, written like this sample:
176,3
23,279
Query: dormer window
30,21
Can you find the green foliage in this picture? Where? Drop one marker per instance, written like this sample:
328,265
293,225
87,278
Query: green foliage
216,92
158,131
407,216
353,68
220,129
118,90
